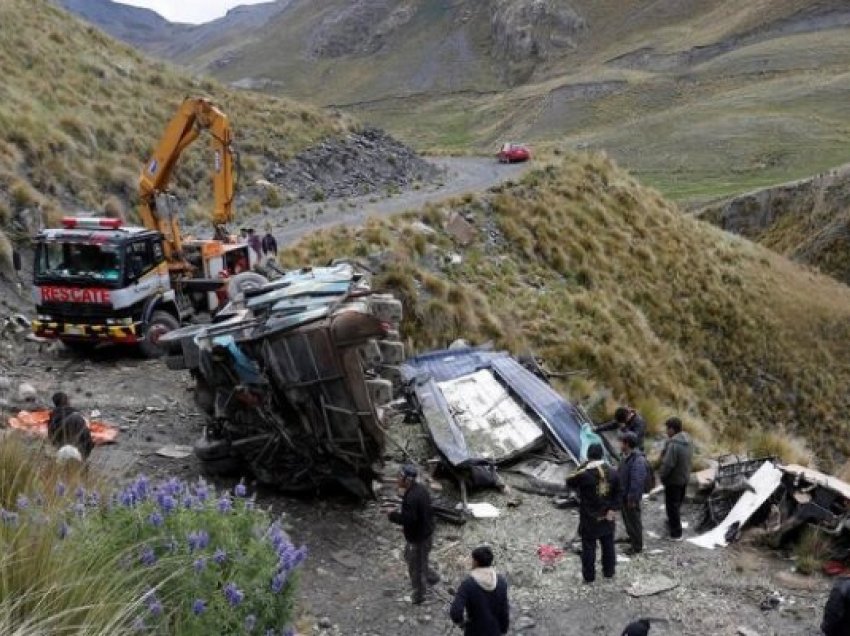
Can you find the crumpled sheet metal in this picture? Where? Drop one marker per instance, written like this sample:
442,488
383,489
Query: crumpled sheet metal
561,419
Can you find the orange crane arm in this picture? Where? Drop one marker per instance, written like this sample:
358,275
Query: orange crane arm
194,116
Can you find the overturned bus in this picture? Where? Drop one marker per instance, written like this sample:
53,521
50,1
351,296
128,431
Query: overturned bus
290,376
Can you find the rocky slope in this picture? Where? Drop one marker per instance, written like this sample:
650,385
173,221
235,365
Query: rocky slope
700,98
807,220
80,112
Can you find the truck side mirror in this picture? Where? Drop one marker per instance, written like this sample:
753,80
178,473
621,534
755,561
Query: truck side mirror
16,260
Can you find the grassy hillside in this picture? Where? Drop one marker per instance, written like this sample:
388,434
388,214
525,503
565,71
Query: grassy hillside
807,220
700,99
584,266
79,114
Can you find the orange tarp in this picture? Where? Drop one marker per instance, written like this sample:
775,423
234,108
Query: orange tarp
35,423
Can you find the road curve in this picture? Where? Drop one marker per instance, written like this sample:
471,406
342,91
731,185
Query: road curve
463,175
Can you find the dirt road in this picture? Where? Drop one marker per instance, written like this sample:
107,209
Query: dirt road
462,175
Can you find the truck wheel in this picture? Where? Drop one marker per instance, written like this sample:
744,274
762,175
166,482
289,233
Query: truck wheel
161,322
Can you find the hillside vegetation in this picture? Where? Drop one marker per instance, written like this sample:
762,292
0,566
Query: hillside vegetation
79,114
699,98
807,220
592,271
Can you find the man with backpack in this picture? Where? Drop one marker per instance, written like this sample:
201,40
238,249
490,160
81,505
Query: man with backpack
481,603
598,488
635,480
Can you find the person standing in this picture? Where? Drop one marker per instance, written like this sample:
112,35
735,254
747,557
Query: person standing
836,613
633,474
627,420
269,244
481,603
66,427
675,472
598,488
417,521
255,243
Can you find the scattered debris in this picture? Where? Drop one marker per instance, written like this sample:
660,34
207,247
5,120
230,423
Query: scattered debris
651,585
35,423
174,451
482,510
549,554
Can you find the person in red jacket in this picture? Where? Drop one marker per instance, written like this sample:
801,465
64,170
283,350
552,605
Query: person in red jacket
481,603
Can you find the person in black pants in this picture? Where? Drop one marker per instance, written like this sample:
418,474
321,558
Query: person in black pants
633,477
417,520
675,472
481,603
598,488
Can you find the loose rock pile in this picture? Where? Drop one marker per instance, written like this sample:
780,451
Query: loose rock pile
359,164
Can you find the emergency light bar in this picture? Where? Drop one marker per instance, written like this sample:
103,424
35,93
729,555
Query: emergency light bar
90,223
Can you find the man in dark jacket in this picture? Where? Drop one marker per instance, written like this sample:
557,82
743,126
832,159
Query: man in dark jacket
417,520
598,488
481,603
633,475
269,244
627,420
836,614
675,472
67,427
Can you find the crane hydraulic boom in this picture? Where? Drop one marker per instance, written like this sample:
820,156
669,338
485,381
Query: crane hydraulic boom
195,115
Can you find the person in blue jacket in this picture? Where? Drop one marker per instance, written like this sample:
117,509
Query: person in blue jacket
633,474
481,603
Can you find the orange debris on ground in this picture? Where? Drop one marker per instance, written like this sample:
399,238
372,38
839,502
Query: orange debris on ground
35,423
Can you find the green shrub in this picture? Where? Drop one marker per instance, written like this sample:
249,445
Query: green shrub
158,558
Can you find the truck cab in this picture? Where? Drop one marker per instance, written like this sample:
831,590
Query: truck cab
96,280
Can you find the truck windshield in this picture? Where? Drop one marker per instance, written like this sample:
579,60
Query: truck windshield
77,260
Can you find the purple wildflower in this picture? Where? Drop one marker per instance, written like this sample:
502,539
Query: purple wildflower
198,540
220,556
166,502
80,493
289,632
60,489
189,502
202,491
128,498
250,623
224,504
278,582
8,517
240,490
22,502
200,564
199,607
156,519
94,499
155,607
147,556
233,594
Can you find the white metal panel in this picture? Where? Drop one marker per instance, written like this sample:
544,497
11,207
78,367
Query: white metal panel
494,425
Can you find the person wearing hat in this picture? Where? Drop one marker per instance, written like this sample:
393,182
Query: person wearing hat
627,420
416,518
633,474
481,603
598,488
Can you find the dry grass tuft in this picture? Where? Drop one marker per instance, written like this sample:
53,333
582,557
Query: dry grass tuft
812,550
789,449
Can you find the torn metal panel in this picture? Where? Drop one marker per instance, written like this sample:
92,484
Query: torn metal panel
539,402
761,486
545,475
493,423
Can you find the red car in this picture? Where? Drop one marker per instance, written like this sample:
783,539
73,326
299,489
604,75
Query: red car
512,153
